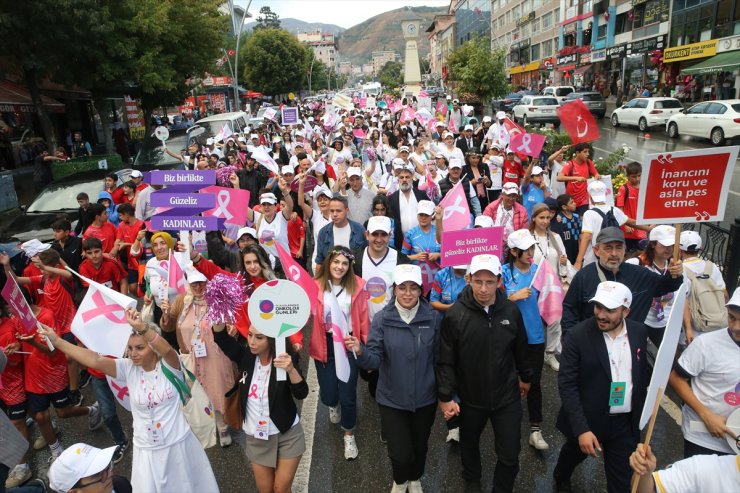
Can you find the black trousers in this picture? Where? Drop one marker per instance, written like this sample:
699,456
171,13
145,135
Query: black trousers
691,449
407,434
618,442
506,423
536,356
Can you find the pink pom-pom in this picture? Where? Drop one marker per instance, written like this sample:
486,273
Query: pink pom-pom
371,153
224,297
223,174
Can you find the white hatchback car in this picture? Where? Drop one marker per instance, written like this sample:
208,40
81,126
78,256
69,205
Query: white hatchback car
713,120
537,109
646,112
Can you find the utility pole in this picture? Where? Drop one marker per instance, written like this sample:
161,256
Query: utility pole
238,33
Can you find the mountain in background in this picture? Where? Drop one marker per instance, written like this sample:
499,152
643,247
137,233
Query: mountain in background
383,32
295,26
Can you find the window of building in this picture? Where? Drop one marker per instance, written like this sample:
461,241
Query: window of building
649,13
546,49
525,7
535,50
536,25
547,21
723,23
536,4
587,6
556,15
516,12
622,24
601,32
494,24
494,5
525,31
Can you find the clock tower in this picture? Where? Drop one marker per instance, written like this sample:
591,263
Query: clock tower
412,72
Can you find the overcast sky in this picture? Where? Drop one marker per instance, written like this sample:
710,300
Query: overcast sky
344,13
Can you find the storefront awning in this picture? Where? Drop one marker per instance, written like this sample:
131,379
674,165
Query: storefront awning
18,98
566,68
530,67
582,69
729,61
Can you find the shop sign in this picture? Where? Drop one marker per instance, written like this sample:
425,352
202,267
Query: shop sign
17,108
218,101
646,45
565,59
731,43
598,56
134,117
702,49
616,52
216,81
584,58
547,64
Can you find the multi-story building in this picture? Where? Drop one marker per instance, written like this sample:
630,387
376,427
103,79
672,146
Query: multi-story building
368,69
324,46
472,19
441,43
345,68
380,58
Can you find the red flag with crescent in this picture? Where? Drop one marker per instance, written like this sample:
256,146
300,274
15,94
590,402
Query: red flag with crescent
578,121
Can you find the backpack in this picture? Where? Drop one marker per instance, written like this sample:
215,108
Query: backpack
706,300
607,218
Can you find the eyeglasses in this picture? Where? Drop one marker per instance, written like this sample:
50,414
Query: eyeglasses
479,283
102,477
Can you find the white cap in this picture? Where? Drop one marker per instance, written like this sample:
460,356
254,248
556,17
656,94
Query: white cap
379,223
447,134
373,120
76,462
500,115
735,300
455,163
612,295
209,141
537,170
448,97
319,191
486,119
440,124
241,138
33,247
299,144
310,118
521,239
510,189
398,163
407,167
460,267
406,272
690,240
455,100
194,275
269,198
483,222
287,169
663,234
468,127
354,171
597,191
425,207
254,136
488,262
496,146
277,139
136,174
246,230
403,149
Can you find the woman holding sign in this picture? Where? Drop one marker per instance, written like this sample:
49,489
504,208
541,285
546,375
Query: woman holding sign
155,282
342,310
167,455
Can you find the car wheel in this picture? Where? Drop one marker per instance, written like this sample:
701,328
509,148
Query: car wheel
524,120
672,130
717,136
642,125
615,120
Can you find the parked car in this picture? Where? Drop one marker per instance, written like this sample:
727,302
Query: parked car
714,120
152,154
210,126
594,101
508,102
560,92
646,112
537,109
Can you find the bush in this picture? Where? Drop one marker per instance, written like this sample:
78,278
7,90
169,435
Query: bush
61,169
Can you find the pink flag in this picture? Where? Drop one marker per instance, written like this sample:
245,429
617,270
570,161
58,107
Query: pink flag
408,114
456,214
428,271
231,204
17,302
441,106
550,300
358,133
529,144
298,274
451,126
175,275
260,155
424,116
423,94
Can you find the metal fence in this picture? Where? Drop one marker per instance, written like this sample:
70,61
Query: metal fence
721,246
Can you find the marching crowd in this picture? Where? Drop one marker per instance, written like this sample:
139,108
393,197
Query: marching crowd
360,198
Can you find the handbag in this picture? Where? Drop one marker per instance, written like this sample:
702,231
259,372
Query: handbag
233,410
201,416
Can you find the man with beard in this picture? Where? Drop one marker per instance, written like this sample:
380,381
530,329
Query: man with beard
404,204
251,179
603,383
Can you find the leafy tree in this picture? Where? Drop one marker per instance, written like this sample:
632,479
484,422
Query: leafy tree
475,69
267,19
274,61
391,75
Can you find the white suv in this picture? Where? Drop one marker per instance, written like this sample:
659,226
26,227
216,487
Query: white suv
558,92
646,112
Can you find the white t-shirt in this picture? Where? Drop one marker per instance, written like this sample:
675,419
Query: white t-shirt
342,235
495,164
620,362
498,134
270,232
155,404
710,473
455,152
344,300
713,360
408,206
258,404
592,224
379,279
557,188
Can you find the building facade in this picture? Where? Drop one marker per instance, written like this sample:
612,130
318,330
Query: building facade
441,43
324,46
380,58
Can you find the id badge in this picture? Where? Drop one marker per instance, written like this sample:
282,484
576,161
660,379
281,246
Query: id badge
199,348
262,429
154,435
617,393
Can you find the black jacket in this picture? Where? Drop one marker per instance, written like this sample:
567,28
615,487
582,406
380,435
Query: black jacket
585,376
71,253
644,284
280,395
445,185
481,354
254,181
395,203
462,143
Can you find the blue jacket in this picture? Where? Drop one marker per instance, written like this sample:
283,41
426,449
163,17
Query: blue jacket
112,212
405,355
325,240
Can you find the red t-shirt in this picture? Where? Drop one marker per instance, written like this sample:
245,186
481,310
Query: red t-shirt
108,274
30,271
513,172
57,298
127,234
106,233
629,207
296,231
118,195
579,189
45,373
141,186
12,391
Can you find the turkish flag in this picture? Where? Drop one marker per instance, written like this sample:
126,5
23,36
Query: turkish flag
513,127
578,122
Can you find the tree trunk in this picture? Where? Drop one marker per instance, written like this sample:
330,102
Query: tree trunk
102,107
147,120
47,129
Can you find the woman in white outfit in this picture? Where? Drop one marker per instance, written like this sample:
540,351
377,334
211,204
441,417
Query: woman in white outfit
167,457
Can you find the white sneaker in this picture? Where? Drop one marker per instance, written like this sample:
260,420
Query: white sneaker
536,440
399,488
552,361
335,414
225,438
415,487
19,475
453,435
40,442
350,447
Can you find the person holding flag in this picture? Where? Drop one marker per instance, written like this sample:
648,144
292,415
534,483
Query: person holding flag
341,310
156,287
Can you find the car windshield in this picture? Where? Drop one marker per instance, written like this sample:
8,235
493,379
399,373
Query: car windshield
563,91
669,104
513,95
592,97
545,102
61,196
152,153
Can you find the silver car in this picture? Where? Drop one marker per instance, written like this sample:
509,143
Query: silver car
594,101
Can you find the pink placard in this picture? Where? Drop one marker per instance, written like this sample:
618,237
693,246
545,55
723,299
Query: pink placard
231,204
458,247
529,144
17,302
358,133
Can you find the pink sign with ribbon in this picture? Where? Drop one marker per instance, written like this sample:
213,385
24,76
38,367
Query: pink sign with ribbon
358,133
231,204
458,247
17,302
529,144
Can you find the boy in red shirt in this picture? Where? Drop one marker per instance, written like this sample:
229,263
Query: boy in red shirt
513,171
575,175
111,186
296,237
102,269
100,228
130,233
627,201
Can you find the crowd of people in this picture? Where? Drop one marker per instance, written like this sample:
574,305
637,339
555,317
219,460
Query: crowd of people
354,197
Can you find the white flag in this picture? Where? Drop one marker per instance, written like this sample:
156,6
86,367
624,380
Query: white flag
338,323
260,155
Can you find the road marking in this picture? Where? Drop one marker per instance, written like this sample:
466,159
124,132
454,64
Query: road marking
308,420
671,409
734,193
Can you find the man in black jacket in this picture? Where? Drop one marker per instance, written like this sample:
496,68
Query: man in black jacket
252,179
483,362
643,283
603,383
403,204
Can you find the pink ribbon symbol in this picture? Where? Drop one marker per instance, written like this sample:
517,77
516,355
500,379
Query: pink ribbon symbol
102,309
223,198
121,392
253,392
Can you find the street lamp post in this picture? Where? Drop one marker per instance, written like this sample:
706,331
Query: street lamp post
310,71
238,32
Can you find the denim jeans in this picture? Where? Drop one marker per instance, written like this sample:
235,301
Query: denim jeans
333,391
107,402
